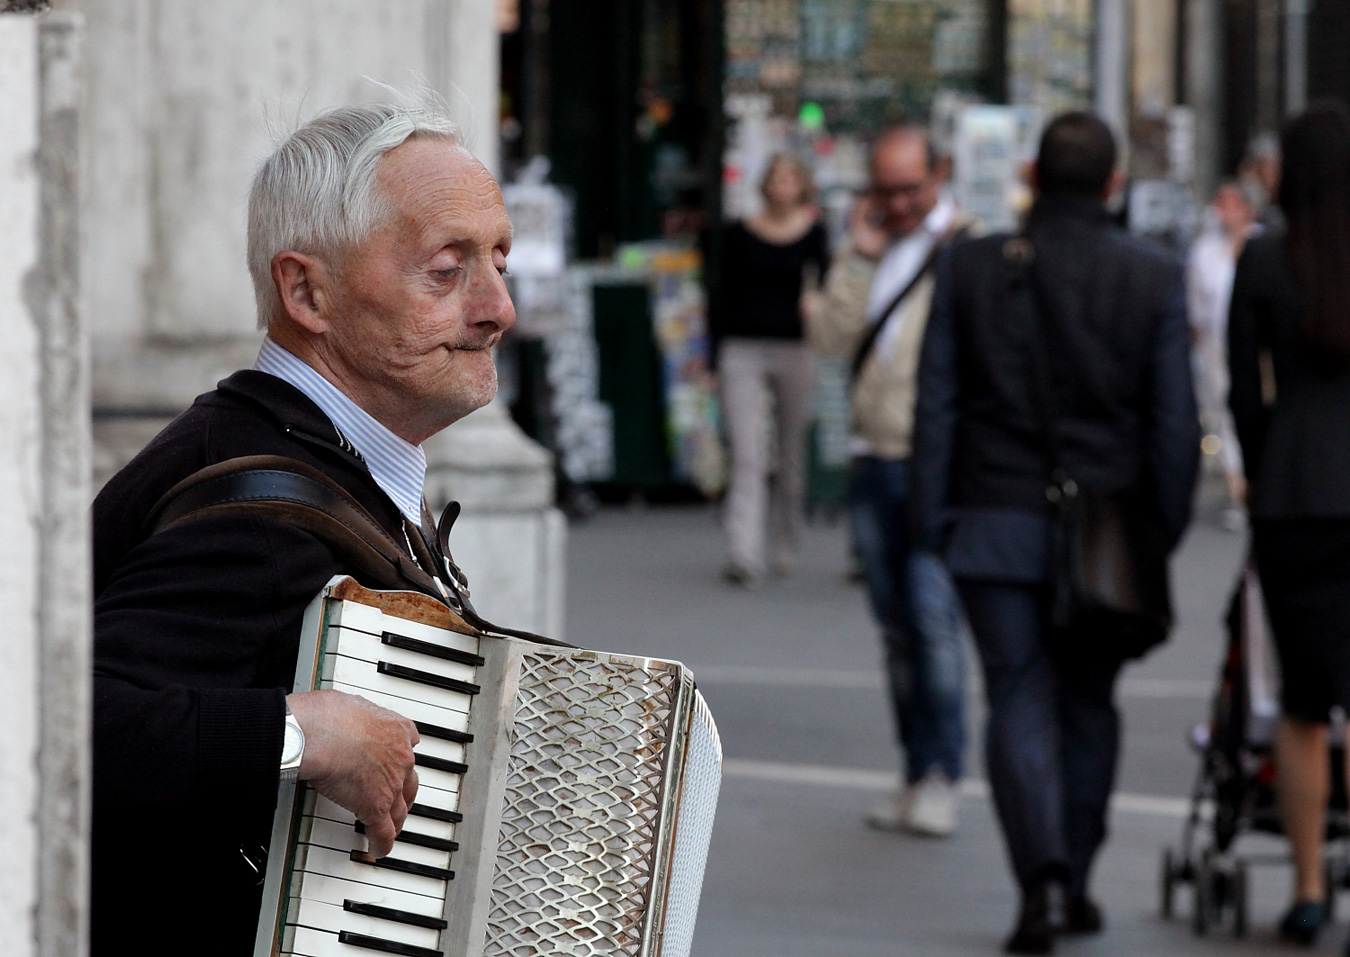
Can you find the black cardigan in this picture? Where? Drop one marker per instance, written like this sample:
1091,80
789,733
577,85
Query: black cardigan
1296,452
196,631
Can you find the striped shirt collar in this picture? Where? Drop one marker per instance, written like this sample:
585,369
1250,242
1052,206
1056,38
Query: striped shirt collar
398,467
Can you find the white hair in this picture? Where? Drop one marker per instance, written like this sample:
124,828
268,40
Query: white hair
315,194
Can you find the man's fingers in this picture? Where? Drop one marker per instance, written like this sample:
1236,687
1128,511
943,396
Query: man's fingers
410,786
380,837
398,814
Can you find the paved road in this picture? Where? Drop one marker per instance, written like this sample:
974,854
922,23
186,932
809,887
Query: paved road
791,671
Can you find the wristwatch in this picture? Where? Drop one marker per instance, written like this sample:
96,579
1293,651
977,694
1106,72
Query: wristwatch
292,749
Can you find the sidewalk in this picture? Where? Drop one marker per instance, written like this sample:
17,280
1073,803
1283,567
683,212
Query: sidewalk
791,671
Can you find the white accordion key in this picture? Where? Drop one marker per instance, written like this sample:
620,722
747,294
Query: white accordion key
399,681
354,866
376,922
410,652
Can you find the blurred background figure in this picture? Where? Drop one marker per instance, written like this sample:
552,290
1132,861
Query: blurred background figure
1291,300
874,312
1259,173
770,261
1102,341
1229,222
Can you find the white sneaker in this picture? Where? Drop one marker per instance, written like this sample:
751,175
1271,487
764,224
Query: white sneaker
932,806
891,814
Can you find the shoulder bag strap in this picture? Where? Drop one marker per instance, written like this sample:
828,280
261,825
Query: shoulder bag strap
869,340
290,491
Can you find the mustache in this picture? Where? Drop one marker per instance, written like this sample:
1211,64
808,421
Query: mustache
477,343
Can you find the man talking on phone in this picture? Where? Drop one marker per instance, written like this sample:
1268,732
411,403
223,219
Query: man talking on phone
873,311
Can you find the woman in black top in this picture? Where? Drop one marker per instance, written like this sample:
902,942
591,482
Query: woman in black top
757,332
1291,301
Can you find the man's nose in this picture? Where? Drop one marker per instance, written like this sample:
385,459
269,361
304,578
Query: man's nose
491,304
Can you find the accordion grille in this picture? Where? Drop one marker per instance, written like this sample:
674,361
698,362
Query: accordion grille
585,789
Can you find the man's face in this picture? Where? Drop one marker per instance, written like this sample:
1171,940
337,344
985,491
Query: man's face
904,188
419,304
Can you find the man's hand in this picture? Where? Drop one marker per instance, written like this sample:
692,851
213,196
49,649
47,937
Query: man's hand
360,756
865,227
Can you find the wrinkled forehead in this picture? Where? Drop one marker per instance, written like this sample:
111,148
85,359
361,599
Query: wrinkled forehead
434,186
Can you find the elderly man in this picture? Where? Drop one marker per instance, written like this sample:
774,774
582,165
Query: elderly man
377,245
874,310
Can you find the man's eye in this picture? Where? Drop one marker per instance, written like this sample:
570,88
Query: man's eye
447,274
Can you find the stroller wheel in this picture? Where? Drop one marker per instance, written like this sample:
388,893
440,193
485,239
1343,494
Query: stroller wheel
1168,882
1335,879
1238,894
1202,912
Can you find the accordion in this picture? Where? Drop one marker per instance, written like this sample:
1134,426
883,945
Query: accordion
565,800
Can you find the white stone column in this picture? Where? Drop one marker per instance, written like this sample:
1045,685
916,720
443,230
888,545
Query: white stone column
44,490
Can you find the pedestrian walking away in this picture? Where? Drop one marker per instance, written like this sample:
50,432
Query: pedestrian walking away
1290,297
873,312
1112,406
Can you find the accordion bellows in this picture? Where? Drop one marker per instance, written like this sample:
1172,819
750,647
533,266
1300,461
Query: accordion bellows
582,815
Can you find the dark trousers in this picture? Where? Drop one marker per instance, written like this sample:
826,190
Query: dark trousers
914,601
1052,738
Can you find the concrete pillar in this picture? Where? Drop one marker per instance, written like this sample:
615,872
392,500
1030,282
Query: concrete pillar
1154,45
1295,56
178,94
44,494
1204,83
1112,89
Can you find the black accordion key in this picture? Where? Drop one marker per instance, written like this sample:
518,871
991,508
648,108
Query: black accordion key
389,913
445,734
421,840
407,867
427,678
386,946
440,764
435,813
434,651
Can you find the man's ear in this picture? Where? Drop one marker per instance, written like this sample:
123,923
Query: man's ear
302,283
1114,186
1029,175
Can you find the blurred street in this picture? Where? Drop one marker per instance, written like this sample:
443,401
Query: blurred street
791,671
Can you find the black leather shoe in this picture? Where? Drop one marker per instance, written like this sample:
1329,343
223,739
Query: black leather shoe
1303,922
1082,916
1035,930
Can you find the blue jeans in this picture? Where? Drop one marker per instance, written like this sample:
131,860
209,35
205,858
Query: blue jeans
1052,739
913,600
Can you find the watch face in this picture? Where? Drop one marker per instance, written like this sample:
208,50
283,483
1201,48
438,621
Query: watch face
293,744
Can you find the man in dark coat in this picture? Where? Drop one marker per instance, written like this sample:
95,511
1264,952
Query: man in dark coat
376,246
1113,316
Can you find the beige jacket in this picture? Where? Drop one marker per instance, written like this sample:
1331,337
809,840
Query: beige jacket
883,396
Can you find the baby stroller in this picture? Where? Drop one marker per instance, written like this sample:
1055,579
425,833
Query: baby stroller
1234,792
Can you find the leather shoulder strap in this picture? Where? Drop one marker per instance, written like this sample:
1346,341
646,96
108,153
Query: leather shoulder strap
300,495
304,497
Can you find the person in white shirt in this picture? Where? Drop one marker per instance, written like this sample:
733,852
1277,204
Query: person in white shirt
1230,221
873,310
